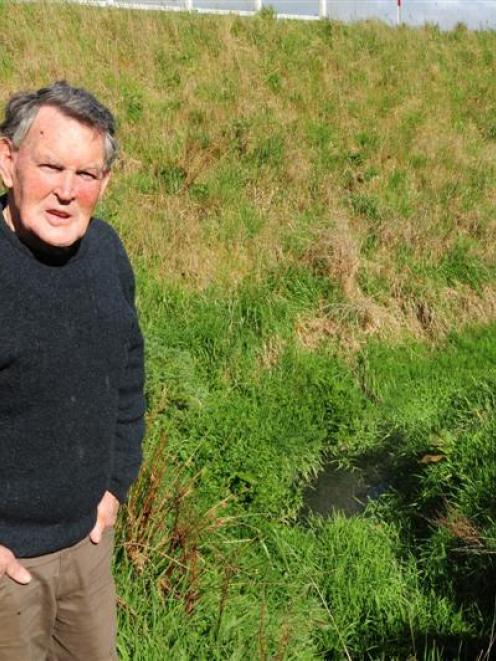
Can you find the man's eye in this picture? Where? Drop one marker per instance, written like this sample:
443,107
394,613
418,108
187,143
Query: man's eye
87,176
50,167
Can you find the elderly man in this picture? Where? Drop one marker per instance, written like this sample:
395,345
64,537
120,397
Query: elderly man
71,379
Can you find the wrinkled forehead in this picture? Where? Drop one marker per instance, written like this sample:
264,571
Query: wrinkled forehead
61,135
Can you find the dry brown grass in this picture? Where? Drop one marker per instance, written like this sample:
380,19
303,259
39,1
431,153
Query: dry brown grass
348,326
460,527
335,252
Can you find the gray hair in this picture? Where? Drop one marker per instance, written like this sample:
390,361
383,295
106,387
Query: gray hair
75,102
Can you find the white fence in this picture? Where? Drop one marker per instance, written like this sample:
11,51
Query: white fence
297,9
446,13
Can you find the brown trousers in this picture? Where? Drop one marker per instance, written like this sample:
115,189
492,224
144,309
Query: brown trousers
68,610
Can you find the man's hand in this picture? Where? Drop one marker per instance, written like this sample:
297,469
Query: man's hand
10,566
106,514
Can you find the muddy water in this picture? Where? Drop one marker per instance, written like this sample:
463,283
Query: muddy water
348,491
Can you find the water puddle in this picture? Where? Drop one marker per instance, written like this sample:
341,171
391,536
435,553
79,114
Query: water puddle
346,491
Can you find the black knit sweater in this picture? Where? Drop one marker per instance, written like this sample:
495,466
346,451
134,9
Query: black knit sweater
71,388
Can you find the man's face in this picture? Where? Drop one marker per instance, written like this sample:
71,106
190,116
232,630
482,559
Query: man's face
55,178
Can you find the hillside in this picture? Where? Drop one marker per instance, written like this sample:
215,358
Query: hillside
310,211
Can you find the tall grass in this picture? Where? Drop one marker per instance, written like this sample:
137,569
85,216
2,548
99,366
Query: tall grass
310,213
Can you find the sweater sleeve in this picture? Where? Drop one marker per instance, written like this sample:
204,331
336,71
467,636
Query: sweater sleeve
130,425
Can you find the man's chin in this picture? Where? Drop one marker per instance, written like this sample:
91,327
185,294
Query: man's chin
58,240
60,233
55,245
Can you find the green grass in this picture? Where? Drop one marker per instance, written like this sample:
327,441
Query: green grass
310,212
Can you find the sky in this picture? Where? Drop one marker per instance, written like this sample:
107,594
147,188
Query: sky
475,14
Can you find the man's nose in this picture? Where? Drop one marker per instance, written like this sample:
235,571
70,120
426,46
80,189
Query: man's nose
66,186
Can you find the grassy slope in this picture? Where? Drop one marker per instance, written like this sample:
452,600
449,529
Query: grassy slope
310,211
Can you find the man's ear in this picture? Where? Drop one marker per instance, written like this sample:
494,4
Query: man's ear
6,162
105,180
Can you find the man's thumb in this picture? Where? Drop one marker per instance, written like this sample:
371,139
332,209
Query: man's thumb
18,573
96,534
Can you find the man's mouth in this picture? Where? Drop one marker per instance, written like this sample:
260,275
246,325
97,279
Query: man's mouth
58,217
58,213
